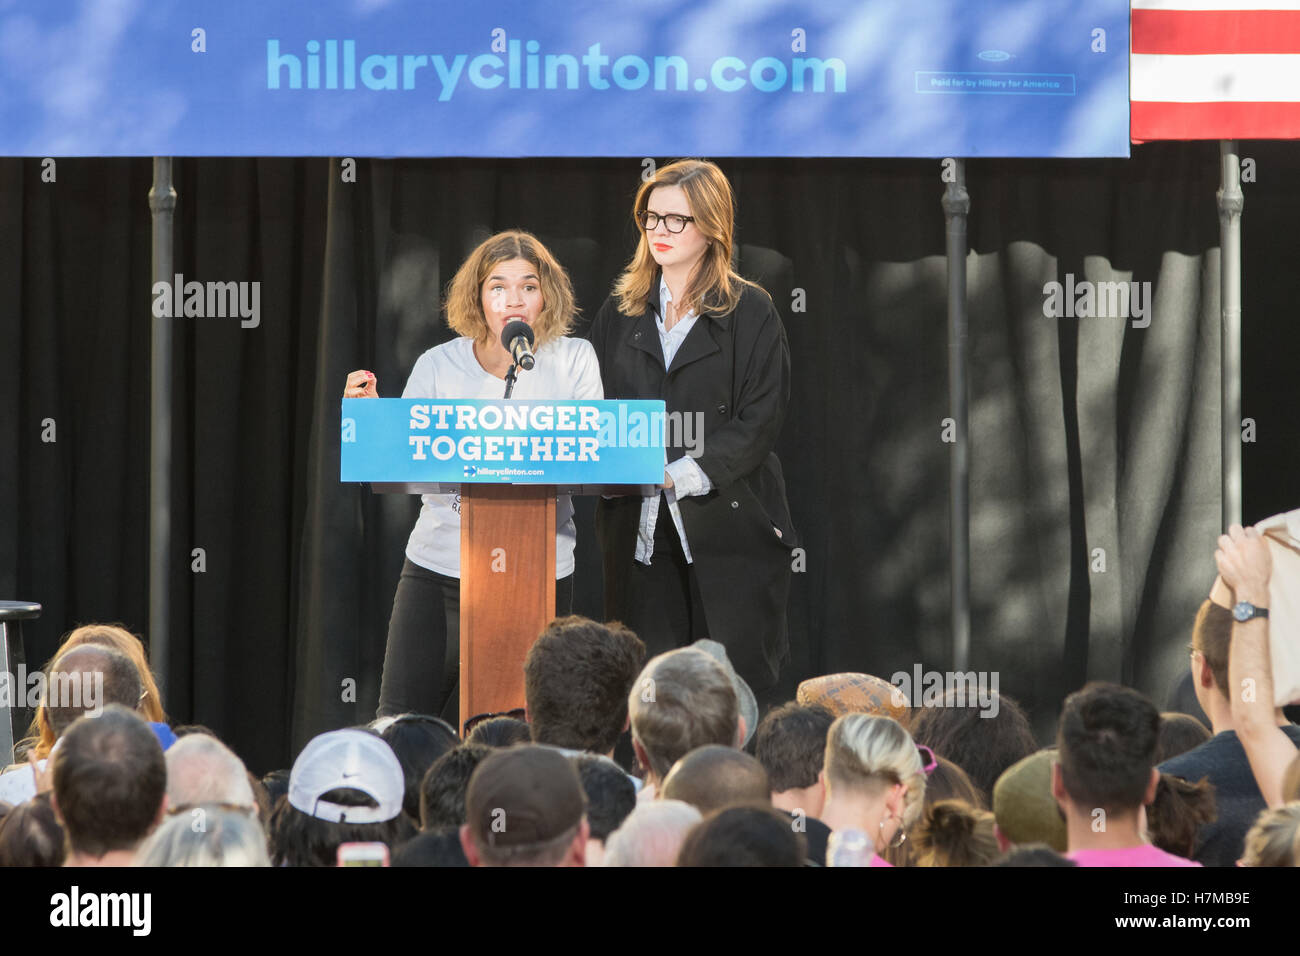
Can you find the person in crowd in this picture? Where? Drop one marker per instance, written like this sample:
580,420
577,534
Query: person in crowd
577,678
874,777
525,807
1274,840
682,699
31,835
712,777
1222,760
1179,733
442,791
791,744
743,836
224,838
1269,740
499,732
1023,805
509,276
83,679
954,833
202,770
345,787
110,786
652,835
41,736
1032,854
707,554
944,781
434,848
610,798
983,741
1178,813
1105,774
417,741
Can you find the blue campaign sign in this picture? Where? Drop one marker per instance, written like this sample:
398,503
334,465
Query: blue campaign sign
518,441
925,78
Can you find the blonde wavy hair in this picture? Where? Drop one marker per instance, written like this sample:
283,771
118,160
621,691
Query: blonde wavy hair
464,298
871,754
107,635
714,286
1274,840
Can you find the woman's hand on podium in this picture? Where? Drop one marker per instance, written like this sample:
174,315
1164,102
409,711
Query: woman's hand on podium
361,384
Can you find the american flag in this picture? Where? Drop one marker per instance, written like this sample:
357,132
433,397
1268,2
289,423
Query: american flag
1215,69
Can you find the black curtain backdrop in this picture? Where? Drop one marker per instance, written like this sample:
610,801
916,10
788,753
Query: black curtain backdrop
1086,434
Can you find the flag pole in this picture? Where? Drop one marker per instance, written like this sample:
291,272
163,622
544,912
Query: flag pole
1230,204
162,204
956,206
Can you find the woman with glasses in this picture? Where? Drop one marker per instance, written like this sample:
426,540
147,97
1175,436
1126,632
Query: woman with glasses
509,276
709,553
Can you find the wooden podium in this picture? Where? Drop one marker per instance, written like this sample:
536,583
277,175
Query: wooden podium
415,446
507,590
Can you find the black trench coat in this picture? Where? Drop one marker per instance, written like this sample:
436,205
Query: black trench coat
735,369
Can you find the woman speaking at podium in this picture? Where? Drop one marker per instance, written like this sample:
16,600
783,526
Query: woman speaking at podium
510,276
708,555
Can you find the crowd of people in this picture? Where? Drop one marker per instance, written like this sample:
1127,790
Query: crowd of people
845,775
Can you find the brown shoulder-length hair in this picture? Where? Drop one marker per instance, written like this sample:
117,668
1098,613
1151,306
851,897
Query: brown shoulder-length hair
107,635
464,299
714,286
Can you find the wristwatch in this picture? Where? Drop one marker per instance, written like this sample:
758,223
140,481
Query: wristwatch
1243,611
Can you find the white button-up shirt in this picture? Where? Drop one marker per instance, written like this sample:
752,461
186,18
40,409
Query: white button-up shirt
688,477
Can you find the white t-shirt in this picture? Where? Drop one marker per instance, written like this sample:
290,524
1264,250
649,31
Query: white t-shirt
566,368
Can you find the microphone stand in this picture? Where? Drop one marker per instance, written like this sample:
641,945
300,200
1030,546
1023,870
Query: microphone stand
510,379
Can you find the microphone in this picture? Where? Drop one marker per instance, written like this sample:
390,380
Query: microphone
517,337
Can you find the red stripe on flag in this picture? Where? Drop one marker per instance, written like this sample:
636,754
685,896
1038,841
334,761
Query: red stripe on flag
1216,31
1148,121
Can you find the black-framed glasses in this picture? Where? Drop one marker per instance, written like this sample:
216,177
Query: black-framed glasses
672,222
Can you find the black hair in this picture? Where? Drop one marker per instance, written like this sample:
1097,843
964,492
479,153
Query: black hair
434,848
299,839
418,741
1107,746
790,743
1032,854
743,836
443,789
500,732
610,794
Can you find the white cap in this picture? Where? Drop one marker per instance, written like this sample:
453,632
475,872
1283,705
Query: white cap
352,760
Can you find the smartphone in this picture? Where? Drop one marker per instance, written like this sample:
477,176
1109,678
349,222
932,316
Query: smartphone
363,854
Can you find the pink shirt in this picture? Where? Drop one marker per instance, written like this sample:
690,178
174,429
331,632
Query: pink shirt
1145,855
879,861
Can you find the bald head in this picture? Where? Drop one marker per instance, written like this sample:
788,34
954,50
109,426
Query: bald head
85,679
713,777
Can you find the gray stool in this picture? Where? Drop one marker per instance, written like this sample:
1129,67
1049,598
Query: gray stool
12,615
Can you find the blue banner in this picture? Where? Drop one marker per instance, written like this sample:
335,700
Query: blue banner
517,441
924,78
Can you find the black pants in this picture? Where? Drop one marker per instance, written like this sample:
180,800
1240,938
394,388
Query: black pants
664,605
422,659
